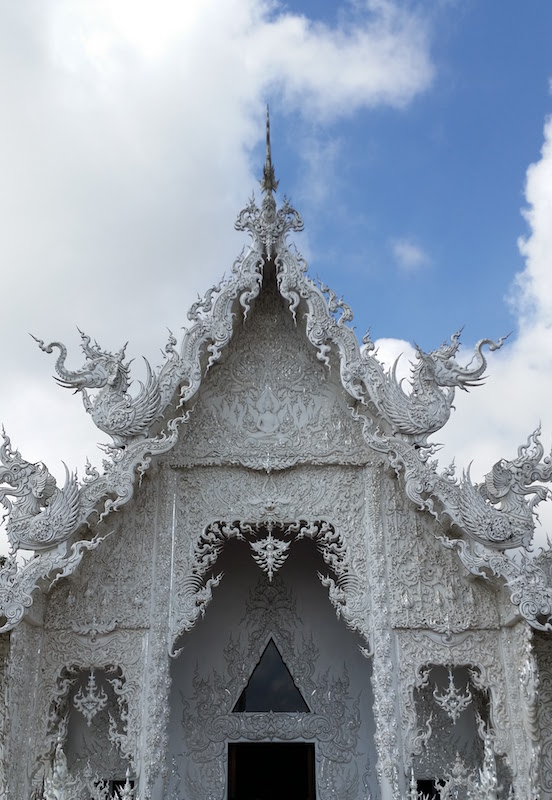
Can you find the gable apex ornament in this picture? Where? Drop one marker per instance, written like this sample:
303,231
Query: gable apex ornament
268,181
481,522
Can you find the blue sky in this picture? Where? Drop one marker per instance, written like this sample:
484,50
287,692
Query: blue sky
446,173
132,133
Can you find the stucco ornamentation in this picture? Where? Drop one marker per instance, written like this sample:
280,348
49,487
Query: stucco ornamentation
209,721
396,421
269,502
270,423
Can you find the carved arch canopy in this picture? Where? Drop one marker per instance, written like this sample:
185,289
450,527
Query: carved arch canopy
83,651
270,544
478,655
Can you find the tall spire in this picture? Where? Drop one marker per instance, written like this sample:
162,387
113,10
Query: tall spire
268,182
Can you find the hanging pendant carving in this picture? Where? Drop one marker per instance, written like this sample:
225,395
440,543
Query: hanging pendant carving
270,554
90,700
452,700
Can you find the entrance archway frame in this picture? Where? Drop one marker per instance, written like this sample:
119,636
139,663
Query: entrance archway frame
345,588
210,723
347,496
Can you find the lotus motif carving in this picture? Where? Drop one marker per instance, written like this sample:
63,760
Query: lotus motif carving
396,423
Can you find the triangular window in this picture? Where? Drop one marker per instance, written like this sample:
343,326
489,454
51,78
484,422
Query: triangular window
271,687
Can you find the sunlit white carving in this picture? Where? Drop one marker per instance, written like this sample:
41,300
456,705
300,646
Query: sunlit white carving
41,515
90,700
59,784
270,553
452,700
300,432
113,410
487,788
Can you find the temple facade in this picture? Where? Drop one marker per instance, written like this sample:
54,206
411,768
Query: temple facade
272,590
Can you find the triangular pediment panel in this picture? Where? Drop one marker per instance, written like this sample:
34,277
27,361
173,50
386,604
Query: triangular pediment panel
271,403
271,687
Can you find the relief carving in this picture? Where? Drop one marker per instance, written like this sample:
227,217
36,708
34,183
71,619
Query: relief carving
270,404
68,654
543,652
209,722
335,500
480,650
116,584
428,588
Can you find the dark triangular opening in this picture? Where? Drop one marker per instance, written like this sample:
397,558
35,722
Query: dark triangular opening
271,687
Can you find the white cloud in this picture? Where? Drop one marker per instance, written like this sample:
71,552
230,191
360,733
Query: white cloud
492,421
409,256
399,352
125,140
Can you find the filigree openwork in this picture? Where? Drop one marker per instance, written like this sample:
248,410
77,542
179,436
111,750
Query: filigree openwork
396,420
453,701
299,433
113,410
90,699
270,553
209,721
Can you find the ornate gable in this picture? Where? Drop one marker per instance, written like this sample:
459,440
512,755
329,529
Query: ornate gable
269,403
293,386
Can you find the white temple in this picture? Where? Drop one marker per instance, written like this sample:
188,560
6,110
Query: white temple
271,590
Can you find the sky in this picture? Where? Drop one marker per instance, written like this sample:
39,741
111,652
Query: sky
414,138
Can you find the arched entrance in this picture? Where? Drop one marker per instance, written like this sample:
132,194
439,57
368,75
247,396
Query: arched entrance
270,692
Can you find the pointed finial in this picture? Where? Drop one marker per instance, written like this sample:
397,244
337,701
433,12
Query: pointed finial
269,182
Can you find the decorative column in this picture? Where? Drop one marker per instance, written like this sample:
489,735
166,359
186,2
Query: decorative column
384,679
155,710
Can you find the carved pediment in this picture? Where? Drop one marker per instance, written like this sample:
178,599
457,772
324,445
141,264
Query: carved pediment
270,403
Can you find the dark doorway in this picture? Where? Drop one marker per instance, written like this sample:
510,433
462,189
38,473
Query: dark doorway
428,788
271,771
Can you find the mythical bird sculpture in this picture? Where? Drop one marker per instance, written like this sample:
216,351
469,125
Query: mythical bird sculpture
40,514
434,378
498,511
113,409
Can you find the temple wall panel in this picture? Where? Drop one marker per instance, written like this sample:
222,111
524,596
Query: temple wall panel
23,675
543,652
269,402
212,504
114,582
436,739
4,656
428,586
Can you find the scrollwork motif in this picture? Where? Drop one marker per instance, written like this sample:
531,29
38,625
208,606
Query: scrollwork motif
270,501
209,723
113,410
